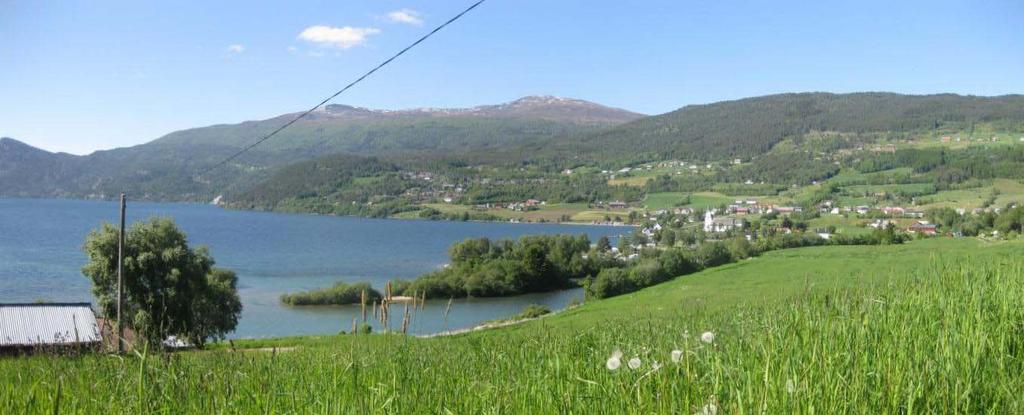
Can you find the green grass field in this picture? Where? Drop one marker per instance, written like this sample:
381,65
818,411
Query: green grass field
868,189
928,326
666,200
1008,191
704,200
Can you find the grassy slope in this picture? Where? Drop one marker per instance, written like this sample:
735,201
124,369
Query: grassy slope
889,337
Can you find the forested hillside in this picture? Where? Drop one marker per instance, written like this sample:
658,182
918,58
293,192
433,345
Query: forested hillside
174,167
514,150
750,127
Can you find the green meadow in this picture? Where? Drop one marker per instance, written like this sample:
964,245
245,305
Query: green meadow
929,326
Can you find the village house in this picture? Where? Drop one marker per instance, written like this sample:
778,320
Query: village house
923,228
720,225
881,223
893,211
683,211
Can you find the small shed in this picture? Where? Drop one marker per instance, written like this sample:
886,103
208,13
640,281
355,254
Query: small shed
32,325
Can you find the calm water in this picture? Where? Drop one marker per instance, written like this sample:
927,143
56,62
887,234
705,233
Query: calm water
273,253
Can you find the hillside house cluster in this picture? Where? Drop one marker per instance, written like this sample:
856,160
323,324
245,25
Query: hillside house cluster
829,207
752,207
525,205
714,224
611,205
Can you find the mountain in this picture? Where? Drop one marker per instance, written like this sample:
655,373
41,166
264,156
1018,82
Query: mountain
173,167
355,130
24,169
750,127
551,132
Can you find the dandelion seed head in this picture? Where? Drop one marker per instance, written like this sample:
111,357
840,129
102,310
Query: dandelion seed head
790,386
617,354
707,337
709,409
613,363
634,363
677,356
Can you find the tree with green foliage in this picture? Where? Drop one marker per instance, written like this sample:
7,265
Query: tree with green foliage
604,244
668,237
170,289
886,235
1012,220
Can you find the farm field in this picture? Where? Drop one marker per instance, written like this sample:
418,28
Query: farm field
664,200
1006,191
920,327
548,213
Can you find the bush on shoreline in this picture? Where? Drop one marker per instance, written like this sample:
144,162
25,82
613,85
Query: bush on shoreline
338,294
484,268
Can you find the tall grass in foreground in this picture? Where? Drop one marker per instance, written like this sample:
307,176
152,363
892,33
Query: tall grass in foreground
948,339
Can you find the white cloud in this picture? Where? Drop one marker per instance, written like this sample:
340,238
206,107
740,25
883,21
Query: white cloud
236,48
407,16
340,37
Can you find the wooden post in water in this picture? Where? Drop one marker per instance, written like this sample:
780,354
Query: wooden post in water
120,278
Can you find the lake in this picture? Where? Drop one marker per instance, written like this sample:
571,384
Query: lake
272,253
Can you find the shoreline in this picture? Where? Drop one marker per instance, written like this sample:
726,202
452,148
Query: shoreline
285,212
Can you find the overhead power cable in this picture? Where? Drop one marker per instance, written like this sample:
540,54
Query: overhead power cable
342,90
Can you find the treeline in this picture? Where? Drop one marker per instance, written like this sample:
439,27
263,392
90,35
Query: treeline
1009,222
656,266
434,214
753,126
701,183
322,178
338,294
951,168
587,188
484,268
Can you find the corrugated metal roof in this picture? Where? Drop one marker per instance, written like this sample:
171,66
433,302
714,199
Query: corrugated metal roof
47,324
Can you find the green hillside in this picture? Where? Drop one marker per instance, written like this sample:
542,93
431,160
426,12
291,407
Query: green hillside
780,139
750,127
929,326
174,167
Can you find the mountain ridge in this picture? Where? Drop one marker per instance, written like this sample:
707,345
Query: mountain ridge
524,131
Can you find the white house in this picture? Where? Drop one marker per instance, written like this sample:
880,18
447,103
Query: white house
719,225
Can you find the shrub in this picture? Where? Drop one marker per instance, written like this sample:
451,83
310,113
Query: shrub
338,294
713,254
609,283
647,272
533,311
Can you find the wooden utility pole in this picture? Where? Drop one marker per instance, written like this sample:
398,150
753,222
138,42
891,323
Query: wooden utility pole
120,278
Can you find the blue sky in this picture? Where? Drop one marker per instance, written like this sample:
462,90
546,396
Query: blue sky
78,76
